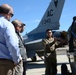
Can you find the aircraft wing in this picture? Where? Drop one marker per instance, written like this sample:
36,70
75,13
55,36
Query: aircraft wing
34,45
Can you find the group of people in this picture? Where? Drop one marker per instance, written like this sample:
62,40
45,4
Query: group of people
12,49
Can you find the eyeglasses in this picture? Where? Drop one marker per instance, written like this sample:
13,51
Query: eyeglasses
11,14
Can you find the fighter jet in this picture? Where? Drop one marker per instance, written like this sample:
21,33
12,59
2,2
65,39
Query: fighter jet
50,20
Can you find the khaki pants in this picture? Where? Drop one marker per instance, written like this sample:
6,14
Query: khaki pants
7,67
18,70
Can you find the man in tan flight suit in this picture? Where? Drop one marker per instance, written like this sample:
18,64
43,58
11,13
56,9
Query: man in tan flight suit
50,44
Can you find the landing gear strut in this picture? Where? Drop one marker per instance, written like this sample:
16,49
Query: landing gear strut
33,58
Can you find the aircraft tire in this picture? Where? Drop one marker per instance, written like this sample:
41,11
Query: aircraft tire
33,58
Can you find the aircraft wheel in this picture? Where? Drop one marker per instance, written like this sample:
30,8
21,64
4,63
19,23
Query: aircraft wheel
34,59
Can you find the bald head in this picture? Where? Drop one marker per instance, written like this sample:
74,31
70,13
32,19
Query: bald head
6,10
5,6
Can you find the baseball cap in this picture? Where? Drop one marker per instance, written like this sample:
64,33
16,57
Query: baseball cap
18,23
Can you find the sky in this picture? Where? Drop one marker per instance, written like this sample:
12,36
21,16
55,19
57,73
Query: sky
31,12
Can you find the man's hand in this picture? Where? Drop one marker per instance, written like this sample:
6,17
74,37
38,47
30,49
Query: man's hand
17,63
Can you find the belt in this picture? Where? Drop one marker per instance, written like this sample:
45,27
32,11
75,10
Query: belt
3,59
8,60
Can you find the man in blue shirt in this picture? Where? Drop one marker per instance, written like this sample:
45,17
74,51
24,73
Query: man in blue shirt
10,56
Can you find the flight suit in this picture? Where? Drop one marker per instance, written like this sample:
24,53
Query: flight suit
50,56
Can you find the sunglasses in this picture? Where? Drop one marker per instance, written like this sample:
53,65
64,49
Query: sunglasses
11,14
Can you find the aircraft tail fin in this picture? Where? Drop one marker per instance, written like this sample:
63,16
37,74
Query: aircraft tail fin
51,17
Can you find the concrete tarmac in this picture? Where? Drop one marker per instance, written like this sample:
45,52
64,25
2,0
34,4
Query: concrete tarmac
38,67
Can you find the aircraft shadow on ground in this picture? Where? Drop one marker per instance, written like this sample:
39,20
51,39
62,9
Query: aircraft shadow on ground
32,65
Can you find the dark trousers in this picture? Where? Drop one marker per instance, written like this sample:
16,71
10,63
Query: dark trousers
50,66
51,69
24,67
